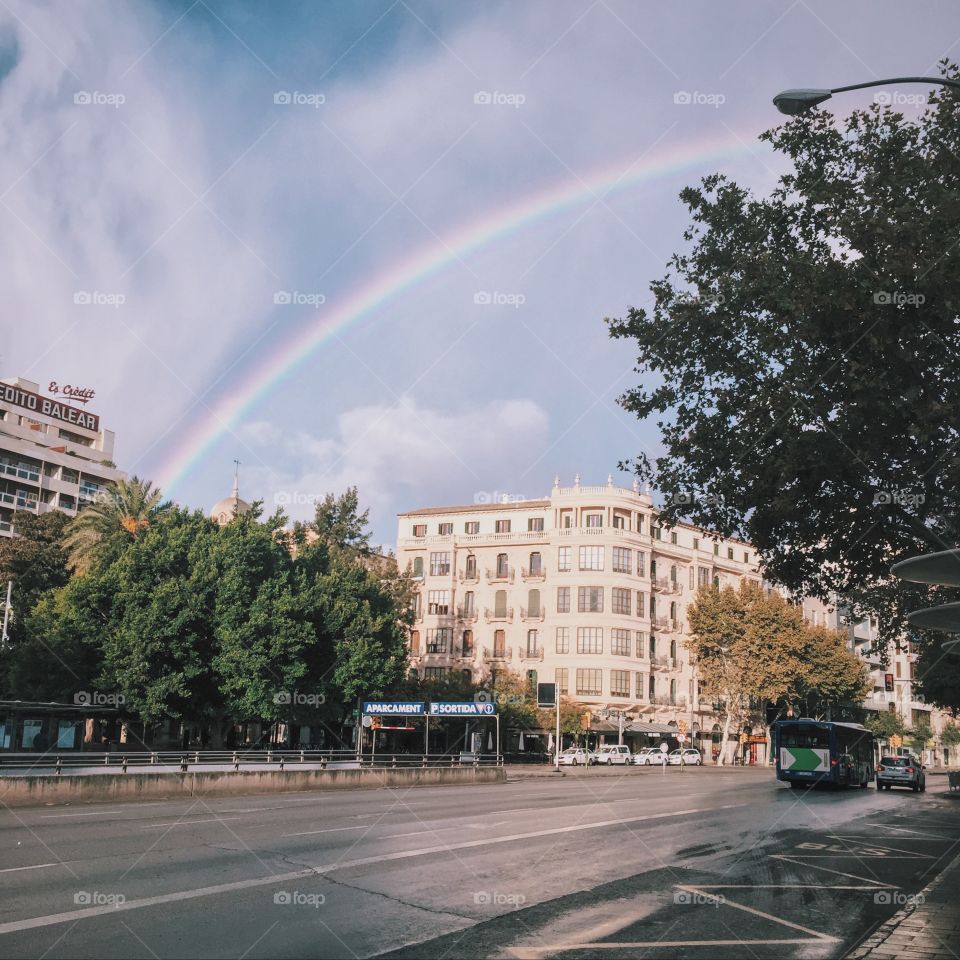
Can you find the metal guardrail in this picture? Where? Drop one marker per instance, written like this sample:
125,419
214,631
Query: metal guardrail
196,759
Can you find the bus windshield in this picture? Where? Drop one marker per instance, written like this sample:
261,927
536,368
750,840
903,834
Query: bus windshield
804,737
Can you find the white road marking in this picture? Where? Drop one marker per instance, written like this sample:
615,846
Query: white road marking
184,823
60,816
839,873
310,833
33,866
415,833
32,923
883,846
534,953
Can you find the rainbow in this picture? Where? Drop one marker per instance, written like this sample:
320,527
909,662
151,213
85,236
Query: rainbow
373,293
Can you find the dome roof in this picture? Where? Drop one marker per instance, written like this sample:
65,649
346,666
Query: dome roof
229,508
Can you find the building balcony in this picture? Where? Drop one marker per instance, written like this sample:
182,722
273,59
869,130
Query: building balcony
465,613
465,577
531,653
666,585
660,663
497,655
534,615
665,700
537,574
498,616
500,576
467,654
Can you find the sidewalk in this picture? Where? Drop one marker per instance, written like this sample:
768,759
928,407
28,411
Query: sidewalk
929,929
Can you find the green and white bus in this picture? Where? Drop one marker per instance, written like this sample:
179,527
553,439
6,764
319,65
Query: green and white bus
817,751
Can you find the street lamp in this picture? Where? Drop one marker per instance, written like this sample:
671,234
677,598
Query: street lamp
792,102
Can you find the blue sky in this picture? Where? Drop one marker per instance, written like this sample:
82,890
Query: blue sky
183,187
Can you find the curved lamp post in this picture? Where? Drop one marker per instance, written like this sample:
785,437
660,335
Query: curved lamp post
792,102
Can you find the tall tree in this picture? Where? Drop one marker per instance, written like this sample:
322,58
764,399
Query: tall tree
121,512
800,357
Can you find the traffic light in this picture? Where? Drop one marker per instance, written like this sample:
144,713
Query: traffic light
888,682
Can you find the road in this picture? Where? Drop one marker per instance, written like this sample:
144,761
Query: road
650,863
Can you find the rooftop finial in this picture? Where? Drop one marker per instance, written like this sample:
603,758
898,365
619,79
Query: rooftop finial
609,479
556,481
236,480
576,480
636,485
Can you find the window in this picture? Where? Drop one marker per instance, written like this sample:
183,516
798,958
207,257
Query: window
500,603
593,520
619,683
437,640
620,601
469,606
499,643
445,529
746,556
419,529
641,602
620,642
471,526
590,600
567,521
589,683
691,578
589,639
533,603
673,649
618,523
673,573
640,686
563,639
653,646
468,647
536,564
673,536
673,610
639,523
434,673
657,533
641,563
653,568
716,549
652,688
470,572
439,564
418,567
591,558
438,602
703,576
563,599
532,646
565,558
415,643
729,553
696,543
502,526
641,642
562,677
535,524
532,682
621,559
503,568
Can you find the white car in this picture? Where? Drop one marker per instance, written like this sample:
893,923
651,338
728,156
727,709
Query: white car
611,753
686,756
649,756
575,756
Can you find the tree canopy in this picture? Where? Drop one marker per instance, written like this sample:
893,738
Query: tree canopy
800,357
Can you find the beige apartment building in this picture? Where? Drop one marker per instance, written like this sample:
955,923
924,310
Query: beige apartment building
54,455
583,588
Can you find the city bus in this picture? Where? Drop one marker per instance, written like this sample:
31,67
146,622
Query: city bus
811,752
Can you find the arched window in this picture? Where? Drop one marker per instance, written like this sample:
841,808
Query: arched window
653,688
467,645
536,564
503,568
500,603
653,646
653,606
673,610
415,643
467,675
418,567
471,566
673,573
499,643
532,643
716,583
673,649
653,569
533,603
673,691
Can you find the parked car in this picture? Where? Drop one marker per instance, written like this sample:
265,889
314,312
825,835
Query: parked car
575,756
611,753
649,756
901,772
686,755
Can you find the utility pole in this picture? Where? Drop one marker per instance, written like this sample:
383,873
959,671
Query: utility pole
6,613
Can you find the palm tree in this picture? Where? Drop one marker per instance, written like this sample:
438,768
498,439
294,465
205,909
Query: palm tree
126,507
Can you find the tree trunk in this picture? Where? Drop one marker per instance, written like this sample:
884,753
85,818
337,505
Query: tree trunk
725,739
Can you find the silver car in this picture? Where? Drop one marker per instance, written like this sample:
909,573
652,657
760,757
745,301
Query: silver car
901,772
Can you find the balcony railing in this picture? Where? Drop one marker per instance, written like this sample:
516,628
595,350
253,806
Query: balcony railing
500,576
666,585
466,613
466,577
498,616
659,623
537,573
531,653
660,663
504,653
467,653
665,700
526,614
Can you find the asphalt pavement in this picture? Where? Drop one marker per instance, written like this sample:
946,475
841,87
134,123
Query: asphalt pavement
640,862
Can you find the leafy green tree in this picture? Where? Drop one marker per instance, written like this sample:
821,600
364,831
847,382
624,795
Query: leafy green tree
800,357
950,735
885,724
919,734
121,512
338,521
938,674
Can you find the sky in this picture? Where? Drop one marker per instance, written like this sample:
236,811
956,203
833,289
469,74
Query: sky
374,243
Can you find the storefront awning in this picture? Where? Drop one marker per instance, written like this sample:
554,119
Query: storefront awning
641,726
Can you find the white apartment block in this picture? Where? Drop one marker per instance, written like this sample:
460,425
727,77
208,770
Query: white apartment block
54,455
583,588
